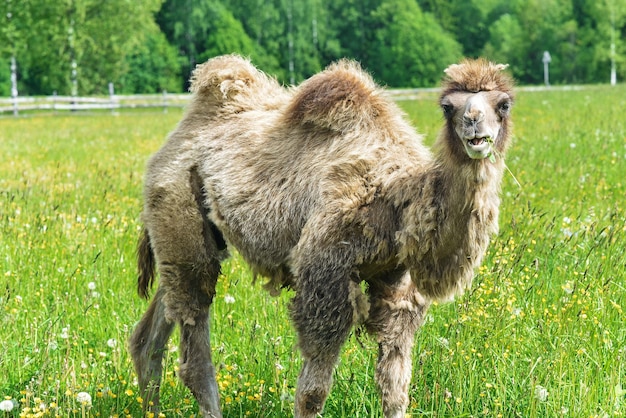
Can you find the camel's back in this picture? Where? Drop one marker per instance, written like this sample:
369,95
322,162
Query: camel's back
270,171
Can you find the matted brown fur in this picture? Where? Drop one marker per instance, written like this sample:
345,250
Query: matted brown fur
320,187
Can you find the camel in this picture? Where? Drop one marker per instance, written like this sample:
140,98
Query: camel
324,188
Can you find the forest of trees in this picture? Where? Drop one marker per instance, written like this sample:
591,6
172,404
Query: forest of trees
146,46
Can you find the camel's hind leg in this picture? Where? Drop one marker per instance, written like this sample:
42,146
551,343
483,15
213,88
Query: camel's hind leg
187,250
147,346
396,312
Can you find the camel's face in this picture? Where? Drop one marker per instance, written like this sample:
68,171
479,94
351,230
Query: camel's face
477,119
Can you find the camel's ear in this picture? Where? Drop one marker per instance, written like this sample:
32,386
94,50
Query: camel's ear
501,67
451,69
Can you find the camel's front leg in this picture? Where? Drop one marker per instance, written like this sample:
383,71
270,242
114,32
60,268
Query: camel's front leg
323,314
396,312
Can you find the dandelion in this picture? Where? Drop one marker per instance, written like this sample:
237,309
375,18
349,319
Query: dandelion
6,405
91,285
541,393
84,398
229,299
112,342
443,342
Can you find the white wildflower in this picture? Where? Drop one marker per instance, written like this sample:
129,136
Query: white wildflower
6,405
229,299
443,341
112,342
65,333
541,393
568,287
91,285
84,398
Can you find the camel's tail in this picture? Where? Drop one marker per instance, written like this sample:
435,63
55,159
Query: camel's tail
145,265
233,84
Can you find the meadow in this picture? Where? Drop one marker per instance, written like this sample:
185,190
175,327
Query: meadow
540,334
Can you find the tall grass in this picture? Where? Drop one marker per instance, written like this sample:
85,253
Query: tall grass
541,333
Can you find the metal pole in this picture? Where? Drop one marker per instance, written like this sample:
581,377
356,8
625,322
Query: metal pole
613,70
14,85
546,67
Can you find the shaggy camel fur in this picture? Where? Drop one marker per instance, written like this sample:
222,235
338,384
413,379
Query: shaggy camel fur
320,188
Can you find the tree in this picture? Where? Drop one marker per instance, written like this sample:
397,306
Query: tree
507,44
154,66
97,36
15,23
203,29
410,49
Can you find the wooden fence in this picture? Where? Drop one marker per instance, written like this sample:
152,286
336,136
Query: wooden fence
70,103
167,100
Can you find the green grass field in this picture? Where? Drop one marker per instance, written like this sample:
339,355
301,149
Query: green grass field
541,334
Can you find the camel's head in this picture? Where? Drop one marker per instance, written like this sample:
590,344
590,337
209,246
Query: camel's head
476,102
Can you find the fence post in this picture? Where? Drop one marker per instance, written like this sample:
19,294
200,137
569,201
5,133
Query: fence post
54,101
111,97
164,101
14,85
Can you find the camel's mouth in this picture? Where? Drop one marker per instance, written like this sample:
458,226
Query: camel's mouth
479,147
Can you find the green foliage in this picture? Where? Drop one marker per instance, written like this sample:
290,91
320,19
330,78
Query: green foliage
404,42
410,49
47,36
539,334
153,66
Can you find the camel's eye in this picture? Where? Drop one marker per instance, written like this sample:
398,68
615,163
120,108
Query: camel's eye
504,107
448,109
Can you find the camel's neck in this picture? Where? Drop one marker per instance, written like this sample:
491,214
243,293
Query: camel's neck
446,230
